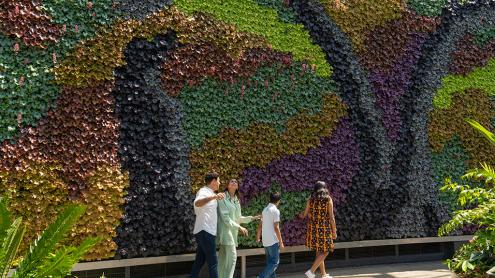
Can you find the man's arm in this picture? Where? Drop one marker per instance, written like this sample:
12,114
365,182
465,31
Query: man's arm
203,201
276,226
258,232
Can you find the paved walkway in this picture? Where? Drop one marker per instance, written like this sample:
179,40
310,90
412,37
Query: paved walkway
409,270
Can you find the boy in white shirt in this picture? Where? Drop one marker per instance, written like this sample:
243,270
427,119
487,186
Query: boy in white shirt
269,231
205,226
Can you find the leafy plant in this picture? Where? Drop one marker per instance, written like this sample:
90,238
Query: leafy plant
477,207
44,258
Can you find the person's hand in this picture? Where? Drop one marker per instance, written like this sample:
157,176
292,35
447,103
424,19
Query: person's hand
257,217
334,235
243,231
220,196
258,239
282,246
301,215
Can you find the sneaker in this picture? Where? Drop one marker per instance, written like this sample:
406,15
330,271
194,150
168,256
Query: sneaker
327,276
310,274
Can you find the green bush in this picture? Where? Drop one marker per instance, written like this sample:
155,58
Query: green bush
477,204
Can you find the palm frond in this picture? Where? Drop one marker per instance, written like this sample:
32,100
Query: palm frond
10,246
488,134
5,219
486,173
60,263
470,216
491,272
45,244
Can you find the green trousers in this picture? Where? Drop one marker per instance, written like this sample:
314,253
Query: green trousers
227,257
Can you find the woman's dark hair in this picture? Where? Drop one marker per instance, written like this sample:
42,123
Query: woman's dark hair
237,194
209,177
320,192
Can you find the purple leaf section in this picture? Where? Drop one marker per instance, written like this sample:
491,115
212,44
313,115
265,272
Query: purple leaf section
390,85
335,161
294,232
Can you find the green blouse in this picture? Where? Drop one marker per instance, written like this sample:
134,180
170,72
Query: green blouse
230,218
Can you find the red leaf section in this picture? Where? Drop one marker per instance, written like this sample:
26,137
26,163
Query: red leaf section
80,134
191,64
469,55
26,20
385,45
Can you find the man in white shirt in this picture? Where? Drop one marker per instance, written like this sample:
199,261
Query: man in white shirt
205,227
269,231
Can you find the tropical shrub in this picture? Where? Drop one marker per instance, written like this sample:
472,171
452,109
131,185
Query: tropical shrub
45,257
477,206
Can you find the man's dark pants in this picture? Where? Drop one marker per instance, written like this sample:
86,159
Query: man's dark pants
206,252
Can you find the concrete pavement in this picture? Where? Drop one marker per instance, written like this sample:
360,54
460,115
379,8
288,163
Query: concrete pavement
409,270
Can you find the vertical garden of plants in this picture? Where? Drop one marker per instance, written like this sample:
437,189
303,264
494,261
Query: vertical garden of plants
123,105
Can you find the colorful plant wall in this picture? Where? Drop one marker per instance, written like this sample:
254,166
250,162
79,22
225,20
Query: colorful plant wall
124,105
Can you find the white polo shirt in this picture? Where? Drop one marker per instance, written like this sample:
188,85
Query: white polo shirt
206,216
270,216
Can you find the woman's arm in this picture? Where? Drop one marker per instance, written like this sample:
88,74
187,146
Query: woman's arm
247,219
332,219
304,214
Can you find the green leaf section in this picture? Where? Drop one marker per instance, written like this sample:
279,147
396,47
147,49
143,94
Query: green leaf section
26,85
481,78
483,36
430,8
249,16
78,13
291,204
284,11
271,96
449,163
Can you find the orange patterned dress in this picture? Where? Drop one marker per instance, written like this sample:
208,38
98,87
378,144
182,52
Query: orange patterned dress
319,234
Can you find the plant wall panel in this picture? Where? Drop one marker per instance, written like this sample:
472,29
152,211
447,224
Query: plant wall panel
124,105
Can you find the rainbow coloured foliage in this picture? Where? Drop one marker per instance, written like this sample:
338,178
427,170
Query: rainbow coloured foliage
124,105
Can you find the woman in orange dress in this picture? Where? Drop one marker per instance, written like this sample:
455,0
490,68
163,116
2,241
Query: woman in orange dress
321,227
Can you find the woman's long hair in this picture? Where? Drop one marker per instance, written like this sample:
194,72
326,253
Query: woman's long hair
237,194
320,192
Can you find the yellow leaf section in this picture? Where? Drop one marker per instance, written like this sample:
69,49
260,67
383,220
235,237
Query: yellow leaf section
94,60
233,150
104,198
38,194
357,18
251,17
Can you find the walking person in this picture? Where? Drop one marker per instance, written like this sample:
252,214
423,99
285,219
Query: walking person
205,226
269,232
229,211
321,227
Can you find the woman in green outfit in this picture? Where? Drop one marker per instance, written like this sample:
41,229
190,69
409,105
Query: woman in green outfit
230,218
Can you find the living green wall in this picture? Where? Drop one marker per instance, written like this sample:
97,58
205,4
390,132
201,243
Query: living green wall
124,105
